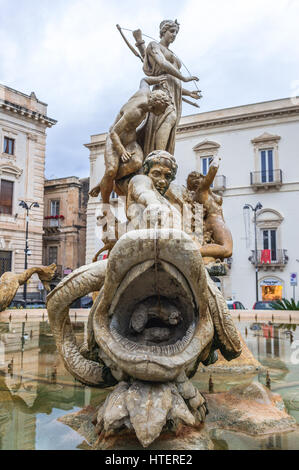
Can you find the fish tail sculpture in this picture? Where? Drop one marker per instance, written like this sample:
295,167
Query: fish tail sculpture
10,282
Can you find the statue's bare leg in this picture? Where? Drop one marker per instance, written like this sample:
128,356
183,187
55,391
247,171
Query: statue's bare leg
105,187
163,133
223,246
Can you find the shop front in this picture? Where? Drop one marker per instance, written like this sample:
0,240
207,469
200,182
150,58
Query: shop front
272,289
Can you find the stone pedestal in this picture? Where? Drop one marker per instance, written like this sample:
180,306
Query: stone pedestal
250,409
185,438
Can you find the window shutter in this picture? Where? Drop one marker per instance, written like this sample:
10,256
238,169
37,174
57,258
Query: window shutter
6,195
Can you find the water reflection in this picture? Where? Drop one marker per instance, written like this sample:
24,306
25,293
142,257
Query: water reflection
35,388
229,440
34,382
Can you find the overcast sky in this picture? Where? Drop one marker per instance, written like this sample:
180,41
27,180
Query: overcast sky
71,55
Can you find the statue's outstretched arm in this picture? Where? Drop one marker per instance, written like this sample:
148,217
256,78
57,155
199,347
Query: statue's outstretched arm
209,178
142,190
195,94
146,82
166,66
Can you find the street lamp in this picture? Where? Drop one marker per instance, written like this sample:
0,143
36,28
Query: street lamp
25,206
255,209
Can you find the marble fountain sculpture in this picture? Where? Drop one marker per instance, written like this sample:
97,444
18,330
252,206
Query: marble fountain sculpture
158,314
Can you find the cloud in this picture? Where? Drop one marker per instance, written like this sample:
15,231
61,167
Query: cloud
71,54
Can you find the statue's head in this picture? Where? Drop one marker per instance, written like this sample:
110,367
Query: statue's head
158,101
194,180
169,27
161,167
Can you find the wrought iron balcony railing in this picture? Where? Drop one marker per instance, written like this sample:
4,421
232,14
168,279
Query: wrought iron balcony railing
270,258
266,178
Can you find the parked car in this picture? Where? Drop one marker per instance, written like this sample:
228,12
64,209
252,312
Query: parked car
235,305
263,305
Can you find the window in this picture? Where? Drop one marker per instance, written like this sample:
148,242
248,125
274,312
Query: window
267,166
54,208
6,197
9,146
114,195
5,261
53,254
205,163
269,242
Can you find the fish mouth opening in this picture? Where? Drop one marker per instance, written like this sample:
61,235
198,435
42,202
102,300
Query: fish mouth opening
155,311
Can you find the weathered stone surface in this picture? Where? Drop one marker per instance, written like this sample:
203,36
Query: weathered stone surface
148,405
250,409
245,363
218,269
148,408
115,408
185,438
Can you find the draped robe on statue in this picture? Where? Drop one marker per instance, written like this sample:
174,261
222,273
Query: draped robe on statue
152,69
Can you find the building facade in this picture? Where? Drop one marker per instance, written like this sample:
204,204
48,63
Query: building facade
259,146
64,241
23,124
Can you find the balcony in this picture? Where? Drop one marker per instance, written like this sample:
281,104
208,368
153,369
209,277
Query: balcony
271,260
219,184
266,179
52,226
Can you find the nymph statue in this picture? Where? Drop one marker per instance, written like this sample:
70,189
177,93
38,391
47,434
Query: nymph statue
160,60
220,244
